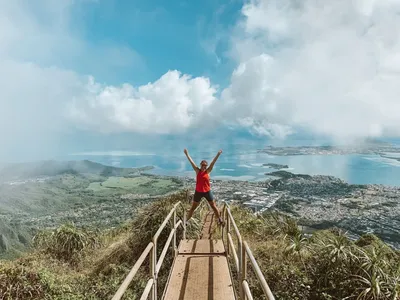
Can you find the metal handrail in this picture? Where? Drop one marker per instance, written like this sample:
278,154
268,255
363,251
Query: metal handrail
240,258
123,287
151,249
147,289
259,274
246,289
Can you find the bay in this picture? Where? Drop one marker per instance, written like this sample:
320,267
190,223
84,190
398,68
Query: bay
241,164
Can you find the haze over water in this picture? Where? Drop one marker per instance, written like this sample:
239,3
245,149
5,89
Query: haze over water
240,161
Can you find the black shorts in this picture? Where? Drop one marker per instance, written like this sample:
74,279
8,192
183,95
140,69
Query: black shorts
198,195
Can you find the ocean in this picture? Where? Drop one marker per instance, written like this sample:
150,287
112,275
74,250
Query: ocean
243,164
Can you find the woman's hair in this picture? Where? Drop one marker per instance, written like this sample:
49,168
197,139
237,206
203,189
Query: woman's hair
203,161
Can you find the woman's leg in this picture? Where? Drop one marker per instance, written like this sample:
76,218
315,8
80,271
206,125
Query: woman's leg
214,208
194,206
210,198
196,201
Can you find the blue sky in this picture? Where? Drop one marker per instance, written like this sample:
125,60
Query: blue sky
155,36
96,75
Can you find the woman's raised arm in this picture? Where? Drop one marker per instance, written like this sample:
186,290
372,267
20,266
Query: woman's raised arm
209,169
191,161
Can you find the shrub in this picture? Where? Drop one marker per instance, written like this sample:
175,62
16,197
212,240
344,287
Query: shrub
19,282
67,242
325,265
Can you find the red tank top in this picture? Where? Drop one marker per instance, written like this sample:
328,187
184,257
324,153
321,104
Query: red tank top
203,182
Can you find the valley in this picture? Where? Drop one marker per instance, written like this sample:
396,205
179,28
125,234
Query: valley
105,197
92,198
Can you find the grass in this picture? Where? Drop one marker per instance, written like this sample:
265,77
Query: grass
66,198
325,265
71,262
143,184
117,182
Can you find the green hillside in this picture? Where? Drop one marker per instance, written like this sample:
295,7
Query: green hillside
73,230
78,192
72,262
20,171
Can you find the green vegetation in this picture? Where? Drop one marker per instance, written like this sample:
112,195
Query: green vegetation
69,259
74,263
324,265
66,243
71,262
286,175
20,171
83,192
146,185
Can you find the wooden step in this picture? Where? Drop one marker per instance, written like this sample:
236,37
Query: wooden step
201,247
200,276
206,232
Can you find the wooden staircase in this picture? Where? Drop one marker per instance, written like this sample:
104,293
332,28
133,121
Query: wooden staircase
200,269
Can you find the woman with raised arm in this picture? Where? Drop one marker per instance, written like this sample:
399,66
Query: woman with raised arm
203,188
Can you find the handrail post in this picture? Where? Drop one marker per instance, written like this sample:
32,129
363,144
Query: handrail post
228,230
152,273
240,253
243,274
184,223
174,239
223,219
154,268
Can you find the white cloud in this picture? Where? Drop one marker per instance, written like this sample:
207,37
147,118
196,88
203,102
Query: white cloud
31,94
331,67
328,67
172,104
35,38
39,100
250,101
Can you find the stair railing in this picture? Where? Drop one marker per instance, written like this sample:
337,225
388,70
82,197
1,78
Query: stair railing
151,250
240,256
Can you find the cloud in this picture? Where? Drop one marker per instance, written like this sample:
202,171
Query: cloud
172,104
31,107
40,48
328,67
331,67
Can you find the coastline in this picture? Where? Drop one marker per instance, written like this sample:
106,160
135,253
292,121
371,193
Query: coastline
362,167
317,201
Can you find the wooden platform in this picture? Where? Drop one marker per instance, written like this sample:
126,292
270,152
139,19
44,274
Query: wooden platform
200,271
215,247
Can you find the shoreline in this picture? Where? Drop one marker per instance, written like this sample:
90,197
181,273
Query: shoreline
318,201
269,178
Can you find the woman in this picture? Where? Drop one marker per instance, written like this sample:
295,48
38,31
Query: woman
203,188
